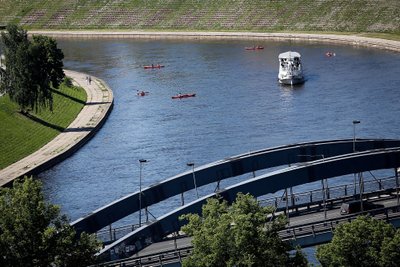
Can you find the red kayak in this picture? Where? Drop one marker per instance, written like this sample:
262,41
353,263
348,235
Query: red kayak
142,93
258,47
158,66
179,96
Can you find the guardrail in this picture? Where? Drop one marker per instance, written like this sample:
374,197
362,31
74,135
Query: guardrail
292,233
333,192
156,259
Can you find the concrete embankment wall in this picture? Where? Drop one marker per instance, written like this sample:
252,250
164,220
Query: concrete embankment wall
326,38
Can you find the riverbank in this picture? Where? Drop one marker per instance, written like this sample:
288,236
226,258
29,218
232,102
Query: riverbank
206,15
98,105
354,40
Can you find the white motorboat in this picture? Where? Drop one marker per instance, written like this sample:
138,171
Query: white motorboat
290,68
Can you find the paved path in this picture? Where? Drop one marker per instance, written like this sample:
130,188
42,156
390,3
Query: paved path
251,36
99,104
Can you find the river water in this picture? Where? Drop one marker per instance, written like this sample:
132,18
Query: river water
239,107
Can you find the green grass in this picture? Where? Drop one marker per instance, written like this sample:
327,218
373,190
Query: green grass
207,15
21,135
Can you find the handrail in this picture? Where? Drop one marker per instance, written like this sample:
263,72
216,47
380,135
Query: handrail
389,212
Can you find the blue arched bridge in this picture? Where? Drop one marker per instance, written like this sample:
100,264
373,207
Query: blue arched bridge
300,164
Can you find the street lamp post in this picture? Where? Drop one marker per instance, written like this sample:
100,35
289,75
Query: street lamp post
191,164
141,161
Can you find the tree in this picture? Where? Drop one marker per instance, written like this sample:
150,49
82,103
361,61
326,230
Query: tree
49,60
363,242
33,233
32,68
237,235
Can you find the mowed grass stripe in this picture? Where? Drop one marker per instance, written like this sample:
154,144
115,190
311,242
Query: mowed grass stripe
21,135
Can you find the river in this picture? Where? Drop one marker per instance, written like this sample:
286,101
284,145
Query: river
239,107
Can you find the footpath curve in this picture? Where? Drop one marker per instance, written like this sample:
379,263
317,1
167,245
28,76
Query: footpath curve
92,116
326,38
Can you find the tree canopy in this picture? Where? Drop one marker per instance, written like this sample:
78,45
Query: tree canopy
33,233
363,242
33,68
238,235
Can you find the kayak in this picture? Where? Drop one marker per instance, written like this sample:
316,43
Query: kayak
258,47
142,93
158,66
179,96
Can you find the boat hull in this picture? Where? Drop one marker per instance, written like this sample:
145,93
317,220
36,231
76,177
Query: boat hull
292,81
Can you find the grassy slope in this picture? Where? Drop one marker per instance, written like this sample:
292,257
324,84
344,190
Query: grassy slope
20,135
241,15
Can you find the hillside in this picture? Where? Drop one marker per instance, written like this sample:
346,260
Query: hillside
223,15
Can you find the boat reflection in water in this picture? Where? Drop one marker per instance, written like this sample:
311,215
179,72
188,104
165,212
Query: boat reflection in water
290,68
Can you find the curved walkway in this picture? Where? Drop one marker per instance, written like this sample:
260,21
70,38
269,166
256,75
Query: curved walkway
328,38
98,105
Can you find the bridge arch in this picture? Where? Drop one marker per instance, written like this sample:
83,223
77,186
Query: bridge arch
223,169
260,185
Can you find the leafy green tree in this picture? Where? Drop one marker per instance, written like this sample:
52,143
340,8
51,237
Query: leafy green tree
363,242
238,235
15,43
390,251
33,233
48,60
32,68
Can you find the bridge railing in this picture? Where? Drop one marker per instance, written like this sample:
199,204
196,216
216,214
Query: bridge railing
156,259
295,232
333,192
296,201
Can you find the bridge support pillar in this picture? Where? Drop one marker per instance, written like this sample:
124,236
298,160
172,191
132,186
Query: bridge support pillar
396,173
324,196
287,206
361,189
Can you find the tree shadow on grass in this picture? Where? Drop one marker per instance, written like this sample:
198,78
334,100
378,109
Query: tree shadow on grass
44,123
69,97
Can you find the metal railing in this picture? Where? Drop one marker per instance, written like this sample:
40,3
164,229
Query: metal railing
333,192
156,259
388,214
